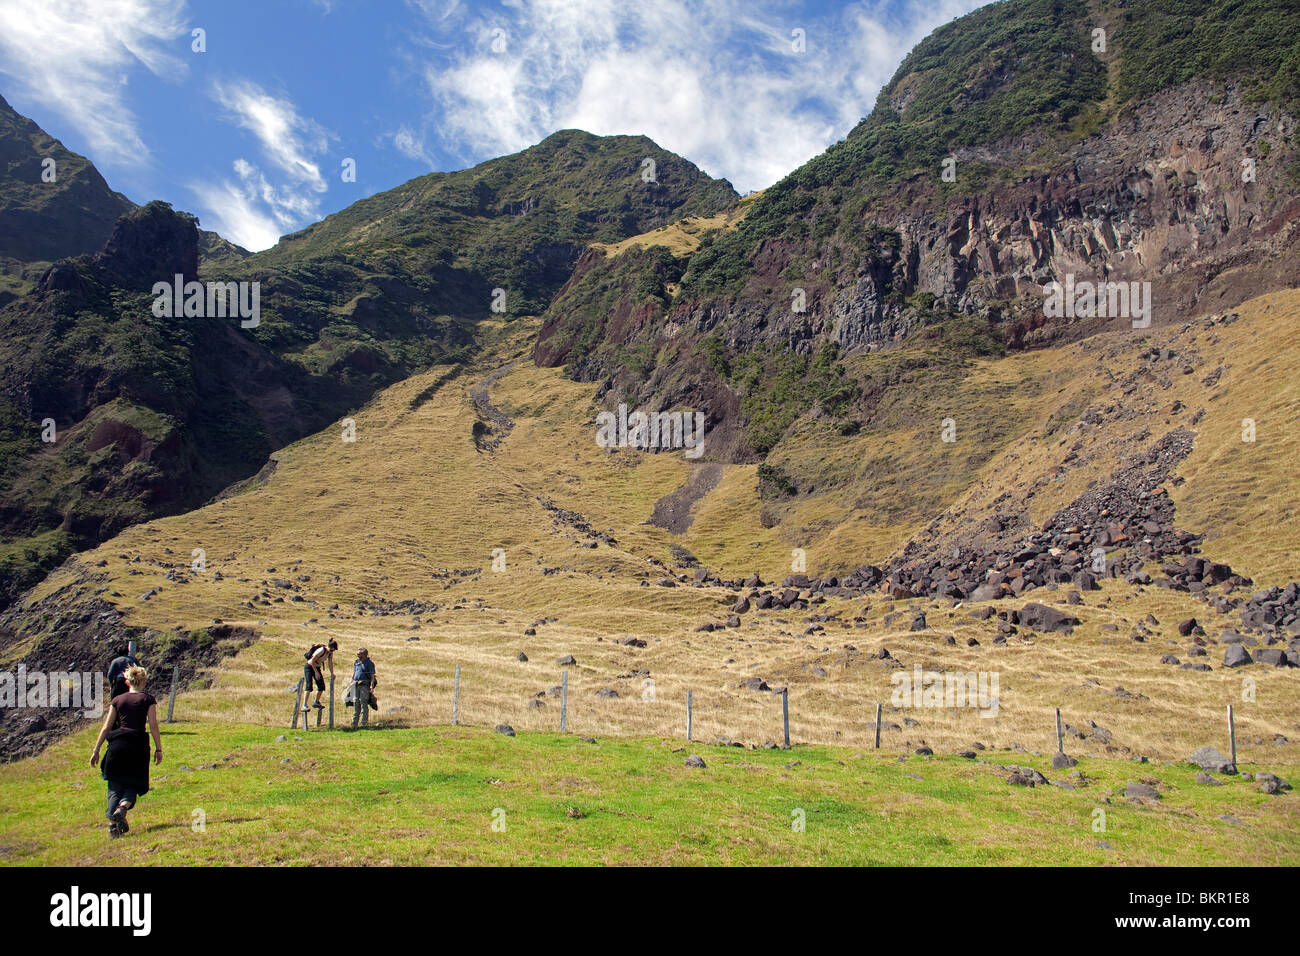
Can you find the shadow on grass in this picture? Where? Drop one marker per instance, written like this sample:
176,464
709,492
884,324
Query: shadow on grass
157,827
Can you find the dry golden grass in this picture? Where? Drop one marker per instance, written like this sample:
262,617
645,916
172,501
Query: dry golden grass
377,520
684,235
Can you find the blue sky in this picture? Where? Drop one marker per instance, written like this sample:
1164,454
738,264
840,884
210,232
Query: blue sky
252,133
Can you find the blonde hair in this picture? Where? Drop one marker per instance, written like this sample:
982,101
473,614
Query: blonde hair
136,676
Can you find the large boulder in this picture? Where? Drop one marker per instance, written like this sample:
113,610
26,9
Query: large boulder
1141,790
1236,656
1043,618
1208,758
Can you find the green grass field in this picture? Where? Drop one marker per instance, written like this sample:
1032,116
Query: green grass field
433,795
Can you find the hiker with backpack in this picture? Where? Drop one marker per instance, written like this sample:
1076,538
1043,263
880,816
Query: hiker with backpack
117,671
126,764
317,655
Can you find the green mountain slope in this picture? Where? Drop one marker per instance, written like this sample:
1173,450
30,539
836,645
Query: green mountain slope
156,415
70,214
399,280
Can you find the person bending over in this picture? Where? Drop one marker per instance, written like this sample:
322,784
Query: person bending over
318,655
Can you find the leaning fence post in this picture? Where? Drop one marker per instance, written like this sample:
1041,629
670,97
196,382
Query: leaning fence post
564,701
1232,738
688,715
877,726
331,701
297,703
785,714
455,699
171,704
1060,738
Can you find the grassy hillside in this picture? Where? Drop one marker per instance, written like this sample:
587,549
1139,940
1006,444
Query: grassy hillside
155,416
432,796
413,509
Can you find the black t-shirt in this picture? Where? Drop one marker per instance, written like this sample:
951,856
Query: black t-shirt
133,710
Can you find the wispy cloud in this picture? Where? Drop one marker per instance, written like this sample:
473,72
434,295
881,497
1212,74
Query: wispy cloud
234,210
252,209
74,57
728,84
288,140
411,145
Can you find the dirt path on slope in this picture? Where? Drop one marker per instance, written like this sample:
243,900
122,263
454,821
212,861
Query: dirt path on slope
481,396
673,511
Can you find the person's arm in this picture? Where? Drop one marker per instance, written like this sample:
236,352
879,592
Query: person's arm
153,729
109,720
374,680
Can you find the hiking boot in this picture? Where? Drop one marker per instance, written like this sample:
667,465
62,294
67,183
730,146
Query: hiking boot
119,817
318,705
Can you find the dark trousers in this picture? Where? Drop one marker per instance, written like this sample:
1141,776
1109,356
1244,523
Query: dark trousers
117,792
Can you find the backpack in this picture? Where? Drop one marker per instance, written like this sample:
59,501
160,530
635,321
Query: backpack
312,650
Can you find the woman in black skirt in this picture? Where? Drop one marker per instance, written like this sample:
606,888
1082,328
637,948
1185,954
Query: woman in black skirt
126,764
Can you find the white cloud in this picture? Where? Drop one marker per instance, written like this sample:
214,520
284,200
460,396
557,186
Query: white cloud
287,139
251,209
74,57
232,210
411,145
719,83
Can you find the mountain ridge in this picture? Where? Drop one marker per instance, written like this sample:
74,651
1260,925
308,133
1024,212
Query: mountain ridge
154,416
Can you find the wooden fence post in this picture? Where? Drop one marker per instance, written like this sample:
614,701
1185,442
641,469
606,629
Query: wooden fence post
297,704
564,701
1060,737
877,726
455,699
171,703
688,715
331,701
785,714
1232,738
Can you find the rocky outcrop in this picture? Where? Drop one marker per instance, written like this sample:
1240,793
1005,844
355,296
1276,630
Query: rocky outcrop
151,244
74,630
1186,190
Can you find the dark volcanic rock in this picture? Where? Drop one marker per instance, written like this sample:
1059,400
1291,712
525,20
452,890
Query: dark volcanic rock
1141,790
1043,618
1236,656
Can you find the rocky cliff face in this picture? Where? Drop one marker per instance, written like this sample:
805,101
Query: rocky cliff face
1157,196
1190,190
151,244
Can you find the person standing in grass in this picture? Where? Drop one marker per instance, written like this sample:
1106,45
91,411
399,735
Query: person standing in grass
126,764
317,656
363,682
